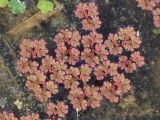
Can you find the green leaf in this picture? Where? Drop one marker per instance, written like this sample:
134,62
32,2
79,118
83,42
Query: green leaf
156,31
16,6
3,3
45,6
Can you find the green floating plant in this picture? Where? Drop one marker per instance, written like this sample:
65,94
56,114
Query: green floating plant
45,6
156,31
3,3
16,6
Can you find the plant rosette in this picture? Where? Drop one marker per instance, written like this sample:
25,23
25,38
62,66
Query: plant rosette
45,6
16,6
3,3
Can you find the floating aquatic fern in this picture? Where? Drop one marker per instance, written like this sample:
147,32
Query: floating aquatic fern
45,6
3,3
16,6
156,31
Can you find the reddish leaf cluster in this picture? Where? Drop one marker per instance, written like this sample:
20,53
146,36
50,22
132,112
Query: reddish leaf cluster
67,43
83,64
57,111
151,5
156,17
35,63
32,116
88,12
132,63
10,116
7,116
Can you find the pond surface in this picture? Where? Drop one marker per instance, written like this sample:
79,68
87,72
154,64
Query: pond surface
142,103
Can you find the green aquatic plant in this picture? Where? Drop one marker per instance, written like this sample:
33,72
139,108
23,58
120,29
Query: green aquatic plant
16,6
45,6
156,31
3,3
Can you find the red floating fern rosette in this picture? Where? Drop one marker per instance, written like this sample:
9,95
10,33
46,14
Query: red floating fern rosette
83,65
